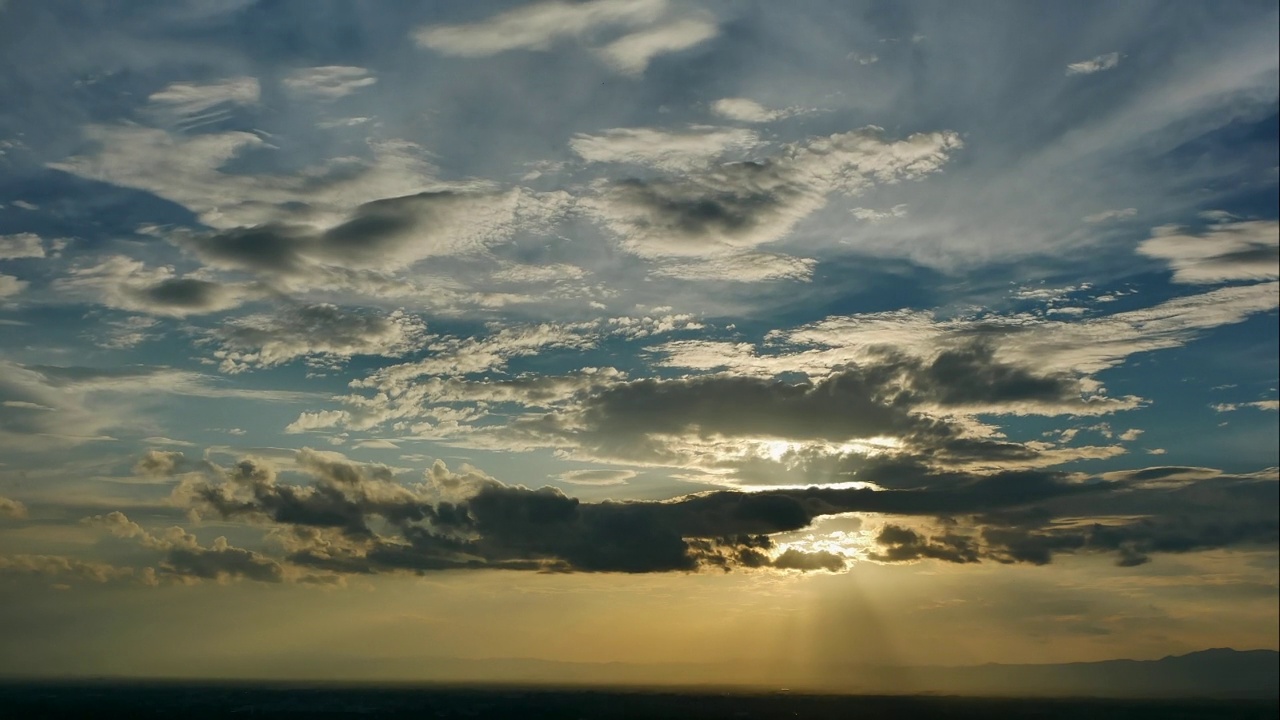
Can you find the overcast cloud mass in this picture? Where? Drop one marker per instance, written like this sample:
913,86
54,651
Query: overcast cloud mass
700,301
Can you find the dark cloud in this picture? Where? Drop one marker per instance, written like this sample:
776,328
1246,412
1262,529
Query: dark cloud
1219,512
358,518
858,402
167,463
721,209
384,233
902,544
971,375
792,559
313,330
220,561
343,497
185,294
889,395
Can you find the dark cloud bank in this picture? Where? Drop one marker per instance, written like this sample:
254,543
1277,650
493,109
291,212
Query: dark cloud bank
359,519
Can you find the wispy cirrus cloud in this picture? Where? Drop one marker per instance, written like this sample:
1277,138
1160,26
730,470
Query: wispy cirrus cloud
648,31
328,82
1106,61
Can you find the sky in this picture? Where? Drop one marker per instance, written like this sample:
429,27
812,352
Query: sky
358,339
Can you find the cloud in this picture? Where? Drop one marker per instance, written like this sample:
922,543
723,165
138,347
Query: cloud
1109,215
383,234
320,332
1080,346
20,245
903,544
556,272
126,284
12,508
192,171
190,105
793,559
747,429
401,395
747,110
537,26
542,25
218,562
1096,64
185,560
1223,252
1257,405
875,216
327,82
60,566
1155,510
48,406
10,285
488,524
597,477
726,210
668,151
746,267
631,54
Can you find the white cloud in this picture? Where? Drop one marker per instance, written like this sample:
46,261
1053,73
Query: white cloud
631,54
21,245
538,273
1227,251
1093,65
327,82
127,284
189,171
1271,405
10,285
597,477
1130,435
671,151
874,216
720,214
1080,348
747,110
537,26
190,105
324,331
737,267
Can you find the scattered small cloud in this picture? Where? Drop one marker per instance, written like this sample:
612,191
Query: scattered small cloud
21,245
328,82
747,110
12,508
874,216
1096,64
631,54
597,477
1111,215
1265,405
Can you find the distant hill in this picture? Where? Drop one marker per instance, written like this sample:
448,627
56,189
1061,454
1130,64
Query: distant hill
1217,673
1220,672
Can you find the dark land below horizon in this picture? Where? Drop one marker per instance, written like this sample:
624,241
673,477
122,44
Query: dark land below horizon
199,700
1219,683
